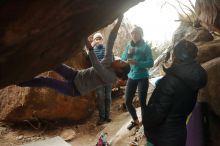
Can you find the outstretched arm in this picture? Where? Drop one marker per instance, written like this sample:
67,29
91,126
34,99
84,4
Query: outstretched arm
103,73
99,67
111,40
93,58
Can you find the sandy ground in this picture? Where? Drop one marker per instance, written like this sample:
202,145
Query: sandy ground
84,134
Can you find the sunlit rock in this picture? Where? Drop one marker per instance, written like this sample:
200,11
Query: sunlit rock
208,13
188,32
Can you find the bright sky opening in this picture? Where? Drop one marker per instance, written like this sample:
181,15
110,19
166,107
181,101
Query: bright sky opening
156,18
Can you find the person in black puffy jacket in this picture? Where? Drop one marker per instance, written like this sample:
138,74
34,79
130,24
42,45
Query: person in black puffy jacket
174,98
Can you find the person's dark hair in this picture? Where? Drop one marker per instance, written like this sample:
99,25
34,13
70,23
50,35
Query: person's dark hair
185,51
123,73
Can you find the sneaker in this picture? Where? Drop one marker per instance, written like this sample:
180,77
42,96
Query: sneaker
108,120
131,125
100,122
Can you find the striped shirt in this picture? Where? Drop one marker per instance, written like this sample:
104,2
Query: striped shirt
99,51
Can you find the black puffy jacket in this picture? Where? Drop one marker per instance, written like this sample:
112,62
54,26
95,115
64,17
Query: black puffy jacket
171,102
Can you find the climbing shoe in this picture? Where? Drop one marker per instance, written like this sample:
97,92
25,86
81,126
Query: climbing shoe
131,125
100,121
108,120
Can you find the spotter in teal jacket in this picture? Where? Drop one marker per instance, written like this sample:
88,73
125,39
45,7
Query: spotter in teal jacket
142,57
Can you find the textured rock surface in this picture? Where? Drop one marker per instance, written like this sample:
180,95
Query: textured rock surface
210,93
186,31
214,126
208,50
41,103
208,12
19,104
37,35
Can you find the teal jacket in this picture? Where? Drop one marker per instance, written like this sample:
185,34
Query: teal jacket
142,57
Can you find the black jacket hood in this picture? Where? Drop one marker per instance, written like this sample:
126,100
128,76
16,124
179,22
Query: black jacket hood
191,73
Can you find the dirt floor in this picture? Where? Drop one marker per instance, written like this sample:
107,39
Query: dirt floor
84,134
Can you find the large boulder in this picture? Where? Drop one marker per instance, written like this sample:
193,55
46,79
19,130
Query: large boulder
19,104
210,93
208,12
188,32
36,35
213,129
208,50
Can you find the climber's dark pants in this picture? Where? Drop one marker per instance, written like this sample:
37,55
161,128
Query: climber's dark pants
66,87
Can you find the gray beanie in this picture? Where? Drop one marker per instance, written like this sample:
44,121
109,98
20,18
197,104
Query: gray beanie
139,30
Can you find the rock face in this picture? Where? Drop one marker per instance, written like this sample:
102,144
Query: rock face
208,51
19,104
208,12
186,31
37,35
210,93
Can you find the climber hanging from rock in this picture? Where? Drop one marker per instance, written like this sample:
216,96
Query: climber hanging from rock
81,82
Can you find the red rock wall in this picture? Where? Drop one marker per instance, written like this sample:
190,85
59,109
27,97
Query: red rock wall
19,104
36,35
